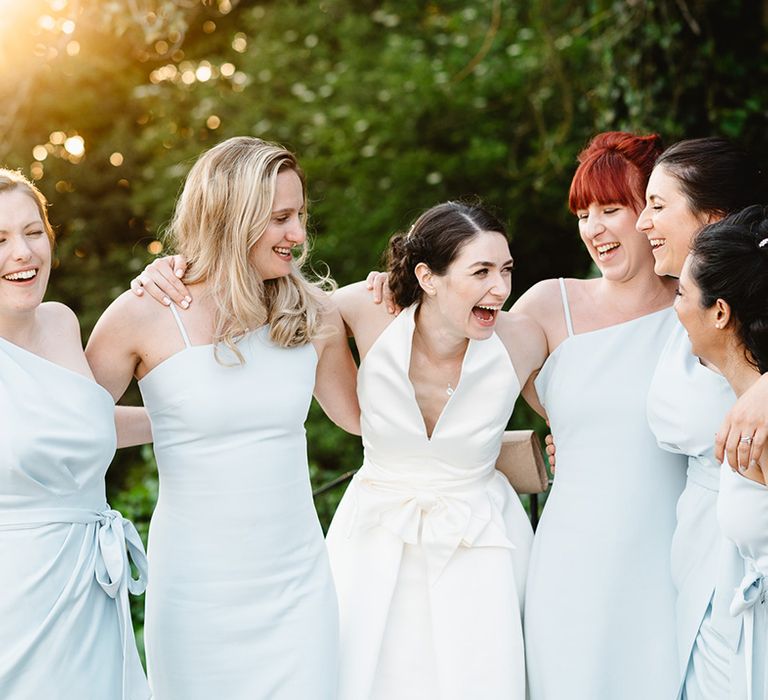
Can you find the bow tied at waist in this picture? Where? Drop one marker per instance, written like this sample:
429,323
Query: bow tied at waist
750,591
439,521
118,545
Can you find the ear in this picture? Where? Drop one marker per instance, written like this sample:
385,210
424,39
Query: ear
426,278
722,313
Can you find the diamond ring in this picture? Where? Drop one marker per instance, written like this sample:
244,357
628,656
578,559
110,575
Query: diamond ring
746,439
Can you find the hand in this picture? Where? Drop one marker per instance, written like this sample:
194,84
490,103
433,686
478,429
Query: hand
550,449
378,283
161,279
744,432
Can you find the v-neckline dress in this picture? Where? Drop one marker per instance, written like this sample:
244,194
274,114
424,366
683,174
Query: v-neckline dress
429,546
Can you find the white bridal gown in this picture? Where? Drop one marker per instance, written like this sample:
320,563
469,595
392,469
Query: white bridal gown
241,604
686,405
65,623
429,546
599,615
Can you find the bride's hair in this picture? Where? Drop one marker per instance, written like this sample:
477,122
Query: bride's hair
435,239
614,169
223,210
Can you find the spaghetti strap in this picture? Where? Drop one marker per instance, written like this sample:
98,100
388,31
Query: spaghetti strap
182,330
566,307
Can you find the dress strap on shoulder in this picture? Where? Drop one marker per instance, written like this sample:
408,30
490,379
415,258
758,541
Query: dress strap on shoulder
182,330
566,307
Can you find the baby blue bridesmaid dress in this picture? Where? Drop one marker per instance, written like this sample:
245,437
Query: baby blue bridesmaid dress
65,625
742,509
686,405
599,614
241,604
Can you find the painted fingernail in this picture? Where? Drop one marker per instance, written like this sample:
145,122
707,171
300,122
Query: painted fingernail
166,301
184,304
179,273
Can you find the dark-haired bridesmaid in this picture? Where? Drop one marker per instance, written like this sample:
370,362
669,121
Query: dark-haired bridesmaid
723,305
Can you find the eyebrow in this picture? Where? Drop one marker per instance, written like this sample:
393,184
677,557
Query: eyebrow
485,263
37,222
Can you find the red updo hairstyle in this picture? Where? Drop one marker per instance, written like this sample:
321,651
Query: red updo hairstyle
614,169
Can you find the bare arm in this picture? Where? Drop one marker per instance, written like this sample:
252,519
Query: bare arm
336,378
112,350
133,426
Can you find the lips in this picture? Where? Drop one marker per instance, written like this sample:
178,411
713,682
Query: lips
657,243
283,253
604,249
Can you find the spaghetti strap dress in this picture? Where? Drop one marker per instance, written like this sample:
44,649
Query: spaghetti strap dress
429,546
65,555
599,615
241,603
686,405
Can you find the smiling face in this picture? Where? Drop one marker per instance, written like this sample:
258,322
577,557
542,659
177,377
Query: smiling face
705,329
608,232
271,254
469,296
25,253
668,222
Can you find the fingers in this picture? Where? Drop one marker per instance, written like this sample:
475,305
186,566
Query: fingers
137,287
163,276
149,286
375,284
389,298
550,450
720,439
179,265
759,440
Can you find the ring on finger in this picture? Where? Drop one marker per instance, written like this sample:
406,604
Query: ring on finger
138,281
746,439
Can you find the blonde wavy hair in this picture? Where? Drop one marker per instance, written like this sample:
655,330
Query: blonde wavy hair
223,210
14,180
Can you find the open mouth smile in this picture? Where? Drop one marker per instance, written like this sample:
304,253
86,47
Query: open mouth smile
657,243
283,253
22,276
604,249
485,313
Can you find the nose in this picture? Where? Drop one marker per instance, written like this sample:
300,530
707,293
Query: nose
296,233
20,248
594,225
644,222
502,286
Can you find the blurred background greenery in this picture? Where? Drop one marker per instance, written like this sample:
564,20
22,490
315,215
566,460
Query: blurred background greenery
391,106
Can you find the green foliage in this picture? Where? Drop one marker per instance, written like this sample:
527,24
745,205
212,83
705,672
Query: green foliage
392,106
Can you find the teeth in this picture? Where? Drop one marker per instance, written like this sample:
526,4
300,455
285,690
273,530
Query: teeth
26,275
657,242
282,251
605,247
490,308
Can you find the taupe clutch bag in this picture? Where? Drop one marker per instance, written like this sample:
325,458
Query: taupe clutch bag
521,461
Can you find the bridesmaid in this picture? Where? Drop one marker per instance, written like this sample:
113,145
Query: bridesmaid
696,182
241,604
723,304
599,615
65,629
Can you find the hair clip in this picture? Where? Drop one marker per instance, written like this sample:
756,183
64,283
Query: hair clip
409,235
763,243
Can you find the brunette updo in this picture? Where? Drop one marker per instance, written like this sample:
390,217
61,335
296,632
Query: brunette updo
614,169
716,175
729,261
435,239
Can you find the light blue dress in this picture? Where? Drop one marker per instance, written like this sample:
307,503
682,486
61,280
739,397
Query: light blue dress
742,510
599,614
686,405
65,625
241,604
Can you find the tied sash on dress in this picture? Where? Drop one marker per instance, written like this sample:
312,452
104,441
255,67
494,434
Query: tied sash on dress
429,546
438,517
116,545
751,592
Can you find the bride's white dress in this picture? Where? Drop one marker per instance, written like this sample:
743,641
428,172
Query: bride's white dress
429,547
